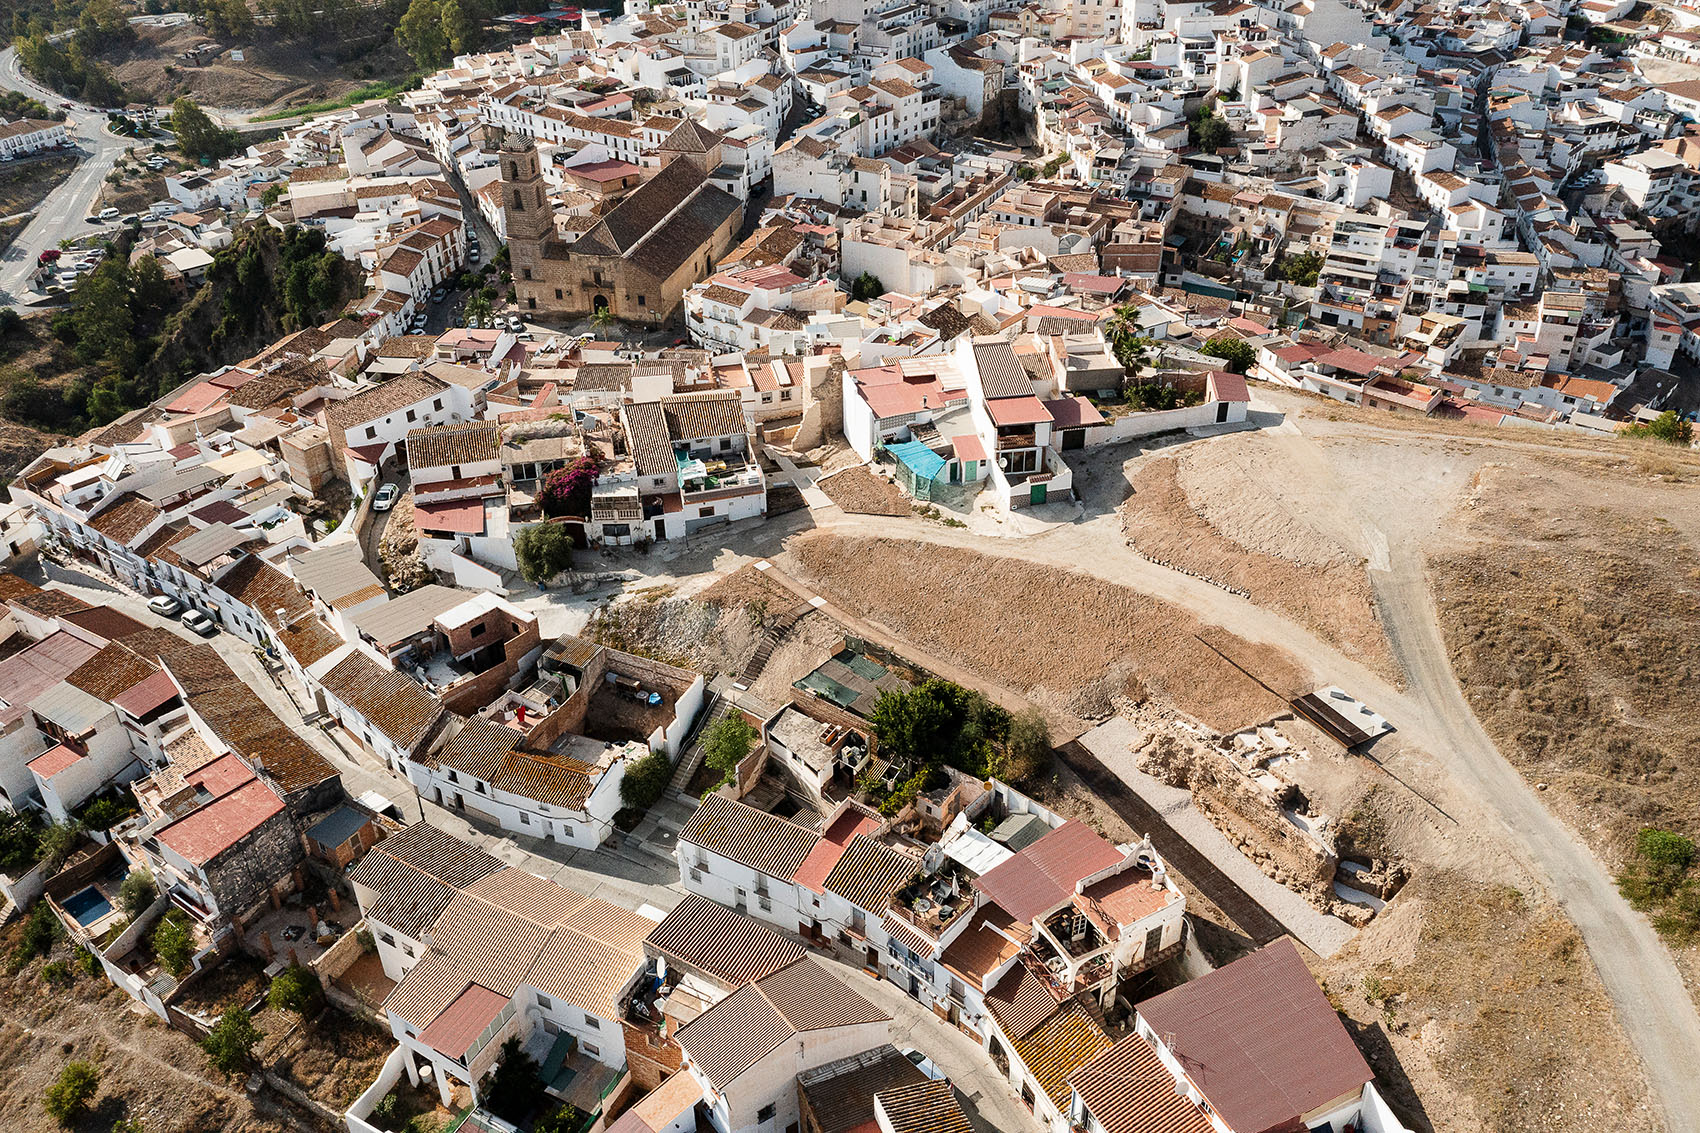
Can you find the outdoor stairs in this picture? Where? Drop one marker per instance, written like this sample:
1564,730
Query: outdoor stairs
770,641
692,758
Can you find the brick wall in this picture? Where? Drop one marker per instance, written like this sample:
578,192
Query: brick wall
650,1057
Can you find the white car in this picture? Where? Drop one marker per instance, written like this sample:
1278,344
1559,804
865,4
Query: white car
165,605
198,621
924,1065
514,324
386,498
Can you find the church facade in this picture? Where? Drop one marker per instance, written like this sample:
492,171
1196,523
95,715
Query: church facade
641,256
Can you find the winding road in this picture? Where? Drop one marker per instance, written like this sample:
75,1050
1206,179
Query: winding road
64,212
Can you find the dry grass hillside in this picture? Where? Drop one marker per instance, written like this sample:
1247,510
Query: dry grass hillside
1069,641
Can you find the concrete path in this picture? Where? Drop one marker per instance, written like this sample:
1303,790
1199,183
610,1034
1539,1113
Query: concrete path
803,479
1112,744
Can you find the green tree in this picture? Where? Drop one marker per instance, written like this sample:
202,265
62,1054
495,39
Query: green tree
172,946
1670,427
866,286
273,193
137,892
10,322
601,319
514,1087
228,19
57,842
458,28
101,310
645,779
478,307
231,1041
543,550
20,837
69,1096
1237,353
420,33
727,743
1209,133
296,989
41,929
1027,748
1302,269
197,135
149,287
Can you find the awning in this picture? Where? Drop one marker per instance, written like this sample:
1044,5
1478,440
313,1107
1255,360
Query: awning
918,458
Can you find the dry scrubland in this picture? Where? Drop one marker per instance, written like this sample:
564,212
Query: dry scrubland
1071,642
1573,618
860,492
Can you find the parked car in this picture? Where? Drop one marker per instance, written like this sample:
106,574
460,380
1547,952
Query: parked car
514,324
108,214
924,1065
386,497
473,255
198,621
438,295
165,606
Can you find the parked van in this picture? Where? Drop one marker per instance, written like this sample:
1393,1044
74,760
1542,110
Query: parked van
107,214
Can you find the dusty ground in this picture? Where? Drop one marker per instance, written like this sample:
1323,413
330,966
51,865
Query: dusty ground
709,636
23,184
1204,517
272,72
339,1057
1070,641
139,188
861,492
1481,999
148,1070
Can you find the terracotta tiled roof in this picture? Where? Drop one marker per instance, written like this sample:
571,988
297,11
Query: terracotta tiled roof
1061,1045
764,842
723,943
1127,1089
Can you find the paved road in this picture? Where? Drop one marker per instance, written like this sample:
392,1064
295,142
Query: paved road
64,213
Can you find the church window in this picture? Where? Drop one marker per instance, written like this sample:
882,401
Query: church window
518,205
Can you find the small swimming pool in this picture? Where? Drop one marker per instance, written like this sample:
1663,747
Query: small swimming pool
87,905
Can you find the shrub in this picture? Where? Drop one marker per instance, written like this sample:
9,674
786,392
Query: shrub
231,1040
58,973
1670,427
171,944
727,743
57,842
296,989
69,1096
645,779
1236,352
1028,747
41,929
543,550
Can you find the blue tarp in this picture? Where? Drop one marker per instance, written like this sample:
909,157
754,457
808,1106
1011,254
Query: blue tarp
918,458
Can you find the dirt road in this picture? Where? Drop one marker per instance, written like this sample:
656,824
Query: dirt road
1653,1006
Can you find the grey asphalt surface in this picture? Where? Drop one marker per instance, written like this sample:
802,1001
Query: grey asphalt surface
63,215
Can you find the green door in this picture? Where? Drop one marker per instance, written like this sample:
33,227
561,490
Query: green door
1038,494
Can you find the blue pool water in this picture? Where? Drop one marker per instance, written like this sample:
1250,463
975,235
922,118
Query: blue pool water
87,906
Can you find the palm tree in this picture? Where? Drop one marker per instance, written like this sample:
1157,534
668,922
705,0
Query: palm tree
477,307
602,318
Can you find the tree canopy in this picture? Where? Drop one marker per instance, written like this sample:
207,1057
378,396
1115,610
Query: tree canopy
543,550
939,720
231,1041
1237,353
513,1088
197,135
566,491
726,743
421,33
866,286
1670,427
68,1098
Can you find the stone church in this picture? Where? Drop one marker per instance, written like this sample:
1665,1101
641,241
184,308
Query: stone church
640,257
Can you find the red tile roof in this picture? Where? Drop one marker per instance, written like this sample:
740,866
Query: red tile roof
455,515
463,1020
1073,413
1017,410
53,761
141,699
202,836
1043,876
1229,386
826,853
1259,1040
968,447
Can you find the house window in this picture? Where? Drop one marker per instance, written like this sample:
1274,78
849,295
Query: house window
477,631
593,1022
543,1001
704,512
725,443
642,302
453,778
410,415
765,1113
437,405
526,272
371,431
479,787
593,1050
524,819
558,293
387,938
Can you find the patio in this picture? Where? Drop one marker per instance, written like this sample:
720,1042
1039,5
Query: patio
569,1074
291,929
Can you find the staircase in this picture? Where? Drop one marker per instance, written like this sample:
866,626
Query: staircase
770,640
